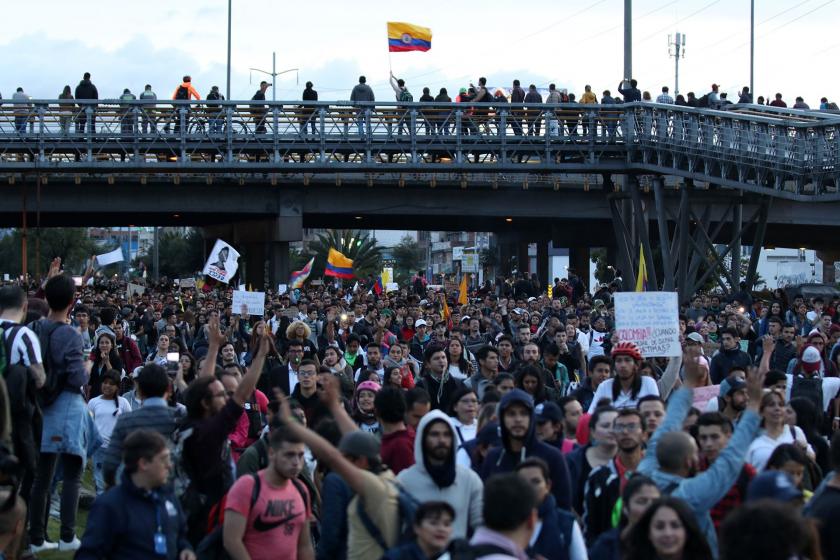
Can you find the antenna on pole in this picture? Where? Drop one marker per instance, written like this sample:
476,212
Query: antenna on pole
676,48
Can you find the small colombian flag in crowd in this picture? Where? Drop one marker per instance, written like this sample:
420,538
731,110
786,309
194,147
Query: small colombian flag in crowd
338,265
404,37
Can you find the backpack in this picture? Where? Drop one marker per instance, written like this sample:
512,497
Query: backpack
406,507
808,388
212,546
183,94
25,415
461,549
56,380
406,96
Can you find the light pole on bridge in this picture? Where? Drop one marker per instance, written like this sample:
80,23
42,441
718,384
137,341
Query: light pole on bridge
274,73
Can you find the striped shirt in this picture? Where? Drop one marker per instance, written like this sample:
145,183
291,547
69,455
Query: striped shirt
24,346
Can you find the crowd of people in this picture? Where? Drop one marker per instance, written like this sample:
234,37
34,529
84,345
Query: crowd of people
347,423
487,100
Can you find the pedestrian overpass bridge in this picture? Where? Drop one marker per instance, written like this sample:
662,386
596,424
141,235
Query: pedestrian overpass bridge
595,174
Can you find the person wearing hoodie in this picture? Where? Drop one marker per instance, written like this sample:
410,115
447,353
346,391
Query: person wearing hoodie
436,380
557,535
517,423
86,90
729,356
435,476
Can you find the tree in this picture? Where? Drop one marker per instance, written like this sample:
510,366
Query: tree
180,254
408,257
355,245
71,244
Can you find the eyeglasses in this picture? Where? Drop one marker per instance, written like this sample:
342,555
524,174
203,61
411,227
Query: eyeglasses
625,428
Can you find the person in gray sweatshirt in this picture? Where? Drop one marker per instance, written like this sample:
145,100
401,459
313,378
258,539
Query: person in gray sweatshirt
436,477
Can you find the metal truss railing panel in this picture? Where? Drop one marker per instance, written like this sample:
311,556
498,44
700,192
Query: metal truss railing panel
782,152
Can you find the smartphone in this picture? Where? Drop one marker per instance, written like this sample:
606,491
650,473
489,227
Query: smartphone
172,359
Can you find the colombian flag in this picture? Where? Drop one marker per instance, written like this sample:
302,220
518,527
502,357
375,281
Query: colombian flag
338,265
642,278
404,37
377,286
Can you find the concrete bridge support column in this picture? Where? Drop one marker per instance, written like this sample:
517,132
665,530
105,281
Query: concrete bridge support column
579,263
542,263
287,227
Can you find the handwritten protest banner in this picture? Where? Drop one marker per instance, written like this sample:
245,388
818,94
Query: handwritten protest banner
254,300
649,319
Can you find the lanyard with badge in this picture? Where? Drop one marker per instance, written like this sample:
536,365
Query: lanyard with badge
160,536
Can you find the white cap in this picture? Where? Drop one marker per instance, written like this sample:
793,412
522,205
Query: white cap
420,323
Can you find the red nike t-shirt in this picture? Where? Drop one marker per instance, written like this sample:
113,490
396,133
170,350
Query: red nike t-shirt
275,521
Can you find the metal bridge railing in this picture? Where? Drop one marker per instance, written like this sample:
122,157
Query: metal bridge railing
755,148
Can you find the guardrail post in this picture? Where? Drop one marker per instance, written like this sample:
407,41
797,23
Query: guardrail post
135,130
413,134
40,111
502,136
182,118
276,136
229,133
322,156
459,154
91,129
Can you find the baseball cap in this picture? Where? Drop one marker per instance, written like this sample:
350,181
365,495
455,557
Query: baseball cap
420,323
774,485
695,337
548,412
532,298
359,444
811,359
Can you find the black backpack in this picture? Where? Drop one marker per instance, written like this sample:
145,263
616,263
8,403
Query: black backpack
461,549
183,94
56,380
808,388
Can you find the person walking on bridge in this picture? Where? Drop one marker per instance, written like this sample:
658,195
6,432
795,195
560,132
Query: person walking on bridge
184,92
148,110
307,112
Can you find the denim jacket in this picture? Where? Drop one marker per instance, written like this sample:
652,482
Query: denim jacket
703,491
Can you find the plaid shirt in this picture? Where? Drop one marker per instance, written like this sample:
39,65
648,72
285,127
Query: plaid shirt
734,498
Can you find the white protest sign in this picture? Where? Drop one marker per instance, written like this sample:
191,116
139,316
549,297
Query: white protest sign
136,290
457,253
282,289
254,300
650,320
222,263
5,277
114,256
187,282
392,287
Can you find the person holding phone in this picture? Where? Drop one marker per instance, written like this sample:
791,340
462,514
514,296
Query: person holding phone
105,358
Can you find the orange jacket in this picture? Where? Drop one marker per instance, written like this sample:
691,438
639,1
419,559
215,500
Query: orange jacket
190,88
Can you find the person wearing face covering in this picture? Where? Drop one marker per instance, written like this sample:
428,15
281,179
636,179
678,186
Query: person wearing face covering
436,477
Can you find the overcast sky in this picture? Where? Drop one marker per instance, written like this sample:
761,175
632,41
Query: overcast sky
333,41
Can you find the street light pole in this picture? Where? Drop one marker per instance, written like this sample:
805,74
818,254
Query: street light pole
228,49
274,73
752,48
628,39
678,43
